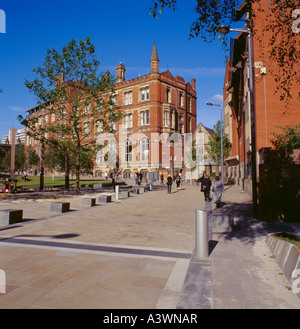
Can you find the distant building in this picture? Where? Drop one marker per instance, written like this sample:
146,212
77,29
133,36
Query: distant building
20,136
204,163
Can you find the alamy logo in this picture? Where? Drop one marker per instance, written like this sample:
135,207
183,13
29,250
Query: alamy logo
2,282
296,281
296,23
2,21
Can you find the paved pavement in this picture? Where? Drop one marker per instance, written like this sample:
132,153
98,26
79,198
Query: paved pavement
138,252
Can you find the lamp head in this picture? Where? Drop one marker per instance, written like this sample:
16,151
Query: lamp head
223,29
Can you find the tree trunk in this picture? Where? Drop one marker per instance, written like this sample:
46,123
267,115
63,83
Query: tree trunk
77,191
67,177
42,165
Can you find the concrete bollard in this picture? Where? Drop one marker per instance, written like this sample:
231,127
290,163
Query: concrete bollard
202,248
117,192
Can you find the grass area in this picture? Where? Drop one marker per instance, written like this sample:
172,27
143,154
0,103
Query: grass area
35,181
294,239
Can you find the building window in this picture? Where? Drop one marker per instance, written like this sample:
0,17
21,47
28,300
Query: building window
128,150
145,94
128,121
181,124
180,99
87,109
87,127
189,104
145,118
144,149
172,119
99,158
168,95
181,128
166,119
99,126
128,98
62,113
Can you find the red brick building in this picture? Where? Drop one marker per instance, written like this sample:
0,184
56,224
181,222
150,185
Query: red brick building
270,110
156,106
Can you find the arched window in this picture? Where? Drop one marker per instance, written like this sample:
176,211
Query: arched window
128,150
144,149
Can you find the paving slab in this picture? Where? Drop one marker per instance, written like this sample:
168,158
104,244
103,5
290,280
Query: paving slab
138,252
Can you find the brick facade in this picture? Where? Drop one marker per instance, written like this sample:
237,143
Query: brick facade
153,104
270,110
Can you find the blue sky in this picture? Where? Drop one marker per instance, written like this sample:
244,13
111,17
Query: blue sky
122,31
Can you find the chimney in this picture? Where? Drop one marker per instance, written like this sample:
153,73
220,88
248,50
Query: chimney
194,84
120,73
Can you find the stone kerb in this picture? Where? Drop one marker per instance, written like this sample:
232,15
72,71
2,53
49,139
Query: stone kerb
286,254
89,202
11,216
60,206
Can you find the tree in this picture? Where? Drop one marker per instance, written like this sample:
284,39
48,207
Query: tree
69,86
19,158
280,18
213,146
32,158
287,140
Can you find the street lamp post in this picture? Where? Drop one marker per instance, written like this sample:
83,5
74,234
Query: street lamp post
222,157
224,30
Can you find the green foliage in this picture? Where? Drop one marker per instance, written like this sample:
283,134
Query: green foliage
287,140
32,158
213,146
282,47
20,161
69,86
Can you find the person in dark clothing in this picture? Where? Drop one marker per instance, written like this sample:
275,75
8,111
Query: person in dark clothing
169,183
205,187
178,181
162,178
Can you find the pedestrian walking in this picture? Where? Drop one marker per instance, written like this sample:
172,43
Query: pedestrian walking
169,184
205,187
217,188
162,178
177,180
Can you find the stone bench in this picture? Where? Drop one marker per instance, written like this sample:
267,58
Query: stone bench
90,202
135,190
60,206
125,194
104,198
11,216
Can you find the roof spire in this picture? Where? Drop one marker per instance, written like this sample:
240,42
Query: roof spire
154,60
154,56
